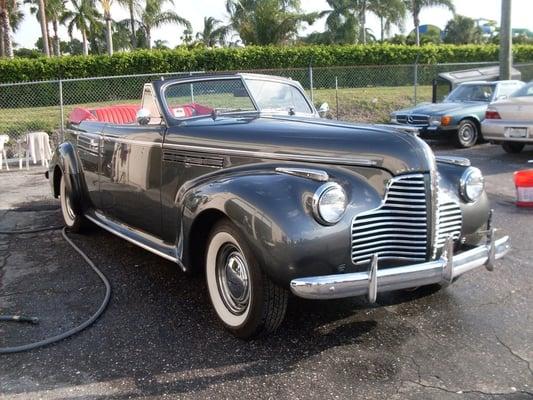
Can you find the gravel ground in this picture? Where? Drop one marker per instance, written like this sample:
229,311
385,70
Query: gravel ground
159,337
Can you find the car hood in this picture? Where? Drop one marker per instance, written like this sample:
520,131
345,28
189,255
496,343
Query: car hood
442,108
310,140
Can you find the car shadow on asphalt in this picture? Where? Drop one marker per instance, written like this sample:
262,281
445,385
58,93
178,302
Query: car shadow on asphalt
159,330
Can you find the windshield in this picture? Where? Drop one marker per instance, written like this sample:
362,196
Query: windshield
524,91
185,100
481,92
278,97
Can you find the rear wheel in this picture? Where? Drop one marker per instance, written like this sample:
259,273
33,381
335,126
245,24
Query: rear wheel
467,134
73,221
513,147
246,301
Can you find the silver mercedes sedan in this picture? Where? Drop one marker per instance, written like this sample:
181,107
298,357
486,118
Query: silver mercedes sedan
509,122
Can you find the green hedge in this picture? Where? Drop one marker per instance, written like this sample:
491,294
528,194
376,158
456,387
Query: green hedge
159,61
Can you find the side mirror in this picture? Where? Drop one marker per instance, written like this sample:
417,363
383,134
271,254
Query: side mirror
502,97
323,110
143,116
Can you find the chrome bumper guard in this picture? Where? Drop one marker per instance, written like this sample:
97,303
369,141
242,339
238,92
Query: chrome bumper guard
374,281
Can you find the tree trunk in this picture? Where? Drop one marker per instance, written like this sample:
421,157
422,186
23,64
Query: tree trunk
109,35
44,28
7,37
362,21
85,44
132,25
149,38
382,28
57,43
2,43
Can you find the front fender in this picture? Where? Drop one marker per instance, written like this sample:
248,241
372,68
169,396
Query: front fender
274,212
476,214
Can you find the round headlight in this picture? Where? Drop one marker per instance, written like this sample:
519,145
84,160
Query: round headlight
472,184
329,203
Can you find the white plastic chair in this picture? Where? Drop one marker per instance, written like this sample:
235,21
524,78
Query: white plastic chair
3,140
38,148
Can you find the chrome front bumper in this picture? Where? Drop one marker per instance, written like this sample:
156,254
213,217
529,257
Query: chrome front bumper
375,281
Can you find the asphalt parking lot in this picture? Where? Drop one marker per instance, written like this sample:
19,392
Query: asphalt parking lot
159,337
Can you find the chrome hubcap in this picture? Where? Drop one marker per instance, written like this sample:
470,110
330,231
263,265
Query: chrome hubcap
467,133
233,279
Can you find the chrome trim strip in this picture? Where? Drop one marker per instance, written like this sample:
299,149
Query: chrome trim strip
438,271
105,223
274,156
314,174
461,161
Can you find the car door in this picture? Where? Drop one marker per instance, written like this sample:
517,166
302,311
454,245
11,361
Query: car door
130,179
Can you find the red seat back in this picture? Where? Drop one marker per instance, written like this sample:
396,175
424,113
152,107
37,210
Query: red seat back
123,114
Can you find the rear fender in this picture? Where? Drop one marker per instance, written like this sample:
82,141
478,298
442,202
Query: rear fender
65,162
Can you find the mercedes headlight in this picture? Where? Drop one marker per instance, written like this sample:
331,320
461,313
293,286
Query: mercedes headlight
472,184
434,120
329,203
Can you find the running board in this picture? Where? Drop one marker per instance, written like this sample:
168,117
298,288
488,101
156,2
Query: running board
138,238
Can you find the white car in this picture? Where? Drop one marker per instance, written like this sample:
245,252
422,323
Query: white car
509,122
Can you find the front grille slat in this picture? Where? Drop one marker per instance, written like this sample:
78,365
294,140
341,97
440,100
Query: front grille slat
449,220
398,229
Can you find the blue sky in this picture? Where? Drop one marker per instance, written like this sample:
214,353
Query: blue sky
195,11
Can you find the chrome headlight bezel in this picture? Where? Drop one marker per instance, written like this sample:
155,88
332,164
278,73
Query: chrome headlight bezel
322,215
472,184
434,120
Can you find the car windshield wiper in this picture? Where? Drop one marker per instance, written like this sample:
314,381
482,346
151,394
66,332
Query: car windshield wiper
227,110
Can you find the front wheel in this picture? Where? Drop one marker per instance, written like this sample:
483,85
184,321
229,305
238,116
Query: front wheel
467,134
73,221
246,301
513,147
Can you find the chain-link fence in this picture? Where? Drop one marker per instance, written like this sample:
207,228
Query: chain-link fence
354,93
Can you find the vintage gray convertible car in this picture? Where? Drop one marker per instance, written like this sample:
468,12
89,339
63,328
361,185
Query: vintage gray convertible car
238,175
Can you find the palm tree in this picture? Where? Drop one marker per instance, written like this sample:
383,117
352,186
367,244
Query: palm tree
341,23
267,21
213,32
7,33
14,16
152,16
416,6
54,10
106,6
81,18
389,12
133,7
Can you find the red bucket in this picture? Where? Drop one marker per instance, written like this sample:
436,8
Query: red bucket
523,181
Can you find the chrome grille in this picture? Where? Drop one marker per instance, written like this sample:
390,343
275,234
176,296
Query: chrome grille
449,221
398,228
413,119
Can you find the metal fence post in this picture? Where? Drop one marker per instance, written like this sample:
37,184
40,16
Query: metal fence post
311,83
62,109
337,96
415,83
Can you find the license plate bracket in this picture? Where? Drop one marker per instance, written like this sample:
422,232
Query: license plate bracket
513,132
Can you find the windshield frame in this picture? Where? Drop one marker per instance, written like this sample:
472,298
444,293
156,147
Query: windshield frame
494,88
243,78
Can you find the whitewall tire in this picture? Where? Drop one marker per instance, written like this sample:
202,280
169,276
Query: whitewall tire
243,297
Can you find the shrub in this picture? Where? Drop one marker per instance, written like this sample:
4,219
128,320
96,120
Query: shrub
252,57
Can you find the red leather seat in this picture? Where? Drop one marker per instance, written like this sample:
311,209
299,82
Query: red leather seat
123,114
190,110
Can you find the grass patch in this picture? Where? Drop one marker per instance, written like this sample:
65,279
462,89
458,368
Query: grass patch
370,104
